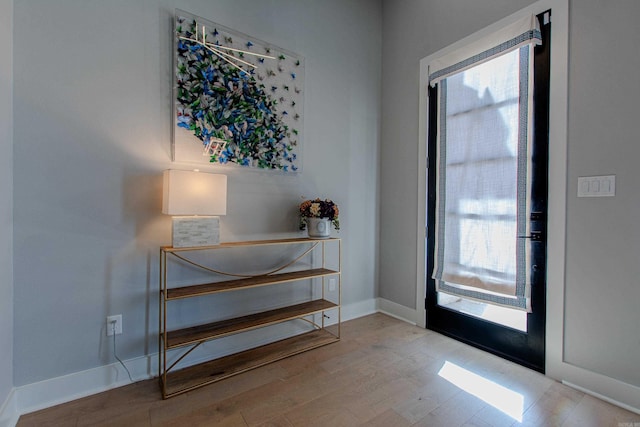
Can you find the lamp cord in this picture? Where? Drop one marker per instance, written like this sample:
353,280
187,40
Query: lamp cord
113,329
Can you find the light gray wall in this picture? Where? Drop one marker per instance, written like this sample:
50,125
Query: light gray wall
603,234
6,199
603,237
92,133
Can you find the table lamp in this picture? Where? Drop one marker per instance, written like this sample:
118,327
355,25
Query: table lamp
195,199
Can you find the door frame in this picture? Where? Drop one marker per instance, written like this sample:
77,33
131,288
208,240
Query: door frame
557,173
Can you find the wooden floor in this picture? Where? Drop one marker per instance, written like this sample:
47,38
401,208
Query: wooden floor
382,373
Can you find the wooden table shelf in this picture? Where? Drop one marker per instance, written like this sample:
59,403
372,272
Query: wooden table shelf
175,379
246,282
192,377
222,328
269,242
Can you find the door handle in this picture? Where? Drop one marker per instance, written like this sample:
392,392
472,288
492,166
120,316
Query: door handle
536,236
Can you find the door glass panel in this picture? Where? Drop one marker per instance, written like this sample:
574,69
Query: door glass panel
505,316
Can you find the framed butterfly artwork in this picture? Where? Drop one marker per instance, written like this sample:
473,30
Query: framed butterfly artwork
238,101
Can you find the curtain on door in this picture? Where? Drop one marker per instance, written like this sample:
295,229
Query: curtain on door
482,202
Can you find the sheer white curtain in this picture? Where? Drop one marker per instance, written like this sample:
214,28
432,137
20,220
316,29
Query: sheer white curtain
484,125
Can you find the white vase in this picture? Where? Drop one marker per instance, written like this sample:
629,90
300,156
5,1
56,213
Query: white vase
319,228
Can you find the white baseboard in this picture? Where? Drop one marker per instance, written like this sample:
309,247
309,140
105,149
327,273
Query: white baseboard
359,309
9,410
603,397
54,391
44,394
606,388
396,310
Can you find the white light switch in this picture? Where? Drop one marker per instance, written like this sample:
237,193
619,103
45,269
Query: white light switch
597,186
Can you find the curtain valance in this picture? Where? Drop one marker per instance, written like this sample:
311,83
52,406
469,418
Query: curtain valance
522,32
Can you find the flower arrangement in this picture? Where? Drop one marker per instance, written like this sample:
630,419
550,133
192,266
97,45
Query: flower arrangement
319,209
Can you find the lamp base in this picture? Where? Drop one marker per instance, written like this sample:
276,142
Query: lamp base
195,231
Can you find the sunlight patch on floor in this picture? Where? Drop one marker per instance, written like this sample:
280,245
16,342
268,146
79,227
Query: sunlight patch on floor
503,399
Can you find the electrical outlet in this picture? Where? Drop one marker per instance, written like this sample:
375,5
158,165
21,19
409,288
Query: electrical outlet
117,319
332,285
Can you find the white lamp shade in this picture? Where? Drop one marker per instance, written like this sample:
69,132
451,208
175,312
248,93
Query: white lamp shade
194,193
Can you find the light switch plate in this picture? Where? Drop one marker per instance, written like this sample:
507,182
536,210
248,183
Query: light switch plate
597,186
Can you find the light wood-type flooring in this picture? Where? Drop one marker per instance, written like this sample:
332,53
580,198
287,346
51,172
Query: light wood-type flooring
383,372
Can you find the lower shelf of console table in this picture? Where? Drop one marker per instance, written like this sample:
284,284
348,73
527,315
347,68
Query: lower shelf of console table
192,377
